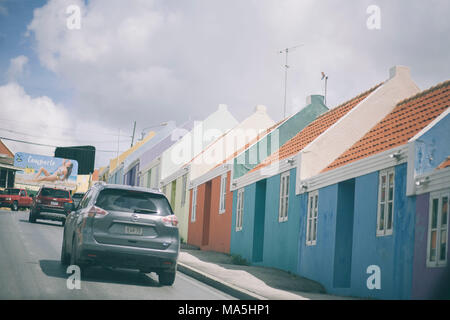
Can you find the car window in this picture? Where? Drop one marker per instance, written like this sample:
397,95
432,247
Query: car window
55,193
12,191
133,201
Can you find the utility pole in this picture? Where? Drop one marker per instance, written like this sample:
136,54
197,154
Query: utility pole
134,130
286,66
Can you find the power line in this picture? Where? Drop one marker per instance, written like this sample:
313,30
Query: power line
60,127
49,145
53,138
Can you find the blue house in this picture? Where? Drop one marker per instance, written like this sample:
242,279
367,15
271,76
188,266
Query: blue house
269,201
374,222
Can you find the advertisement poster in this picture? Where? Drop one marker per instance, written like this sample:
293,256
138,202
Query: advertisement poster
39,169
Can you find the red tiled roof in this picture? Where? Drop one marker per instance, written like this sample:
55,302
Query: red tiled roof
314,129
444,164
401,124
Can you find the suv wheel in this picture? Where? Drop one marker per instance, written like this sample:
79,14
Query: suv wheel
73,255
15,206
65,259
32,216
166,278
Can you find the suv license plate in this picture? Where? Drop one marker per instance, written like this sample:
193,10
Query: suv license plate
54,203
133,230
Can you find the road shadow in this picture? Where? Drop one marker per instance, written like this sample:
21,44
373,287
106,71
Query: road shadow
55,224
275,278
53,268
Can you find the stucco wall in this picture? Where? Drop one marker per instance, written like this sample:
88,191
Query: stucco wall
281,238
242,241
219,224
393,253
428,283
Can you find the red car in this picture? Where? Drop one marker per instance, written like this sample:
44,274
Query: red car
15,198
49,204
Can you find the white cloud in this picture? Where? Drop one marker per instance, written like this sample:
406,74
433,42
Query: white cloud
16,67
42,121
38,120
154,61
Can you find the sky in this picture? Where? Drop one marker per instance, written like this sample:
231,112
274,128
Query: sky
67,81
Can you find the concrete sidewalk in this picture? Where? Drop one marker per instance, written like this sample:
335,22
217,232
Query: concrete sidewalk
248,282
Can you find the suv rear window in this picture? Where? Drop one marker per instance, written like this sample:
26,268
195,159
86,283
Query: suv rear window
55,193
133,201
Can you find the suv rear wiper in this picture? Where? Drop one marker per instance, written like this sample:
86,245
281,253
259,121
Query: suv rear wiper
144,211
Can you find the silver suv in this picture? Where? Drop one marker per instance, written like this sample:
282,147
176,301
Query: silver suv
125,227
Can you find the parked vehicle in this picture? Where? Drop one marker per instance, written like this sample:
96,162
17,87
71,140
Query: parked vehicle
15,198
48,204
76,197
124,227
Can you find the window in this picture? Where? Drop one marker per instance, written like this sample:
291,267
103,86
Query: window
284,197
133,201
438,229
239,209
311,224
385,215
183,191
223,193
194,205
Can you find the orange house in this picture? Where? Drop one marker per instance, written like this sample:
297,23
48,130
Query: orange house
210,214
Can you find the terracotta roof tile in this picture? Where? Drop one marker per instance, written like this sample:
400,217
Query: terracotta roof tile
401,124
314,129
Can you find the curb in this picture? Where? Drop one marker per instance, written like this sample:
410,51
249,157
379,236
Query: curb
218,284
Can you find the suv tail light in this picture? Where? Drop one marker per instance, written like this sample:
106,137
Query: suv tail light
170,221
96,211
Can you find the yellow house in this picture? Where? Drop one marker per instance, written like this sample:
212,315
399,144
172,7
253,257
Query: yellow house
116,164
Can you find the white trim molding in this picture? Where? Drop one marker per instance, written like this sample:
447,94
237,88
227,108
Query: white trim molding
377,162
179,173
275,168
214,173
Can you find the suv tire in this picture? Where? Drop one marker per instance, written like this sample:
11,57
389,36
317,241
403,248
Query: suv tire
32,216
65,259
166,278
15,206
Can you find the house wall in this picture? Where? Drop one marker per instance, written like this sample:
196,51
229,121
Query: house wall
219,224
280,238
241,242
181,211
432,147
316,262
393,253
428,283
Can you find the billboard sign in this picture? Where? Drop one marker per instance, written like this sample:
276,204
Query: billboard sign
39,169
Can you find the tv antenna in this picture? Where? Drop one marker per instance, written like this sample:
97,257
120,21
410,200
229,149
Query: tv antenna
286,66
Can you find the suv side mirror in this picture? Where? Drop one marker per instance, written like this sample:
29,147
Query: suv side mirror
69,206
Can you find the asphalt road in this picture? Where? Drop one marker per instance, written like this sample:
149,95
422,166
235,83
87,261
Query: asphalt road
30,269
